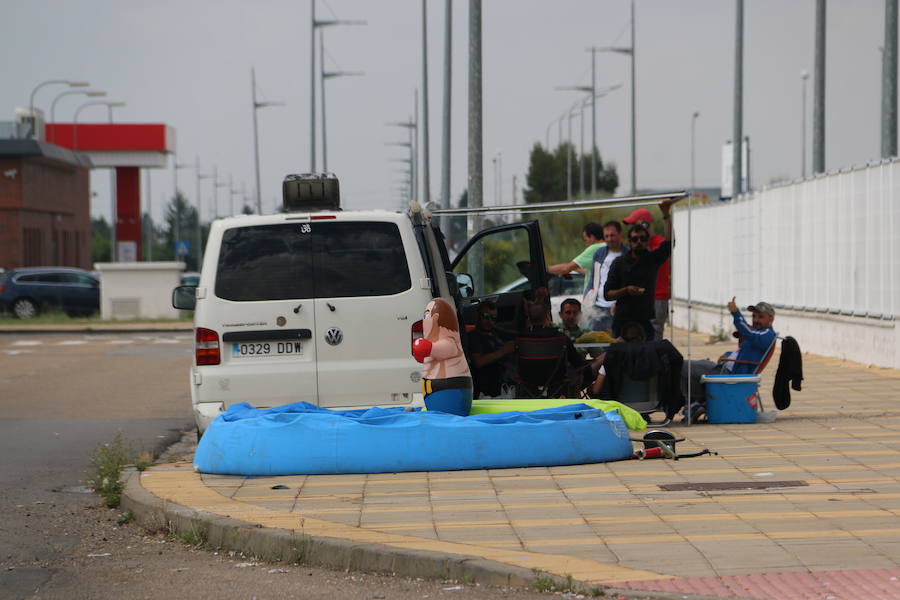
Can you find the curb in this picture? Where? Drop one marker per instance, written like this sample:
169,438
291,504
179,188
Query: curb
50,329
285,545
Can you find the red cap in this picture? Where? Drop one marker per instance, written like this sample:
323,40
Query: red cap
640,214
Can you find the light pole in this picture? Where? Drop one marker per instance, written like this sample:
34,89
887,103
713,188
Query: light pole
109,105
175,167
216,186
89,93
326,75
629,50
199,233
314,24
256,106
74,84
804,76
412,126
694,118
412,163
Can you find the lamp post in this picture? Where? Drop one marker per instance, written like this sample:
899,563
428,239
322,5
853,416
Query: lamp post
109,105
256,106
326,75
175,167
804,76
629,50
74,84
216,185
89,93
199,233
314,24
413,127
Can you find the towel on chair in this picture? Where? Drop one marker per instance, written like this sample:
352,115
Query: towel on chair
790,369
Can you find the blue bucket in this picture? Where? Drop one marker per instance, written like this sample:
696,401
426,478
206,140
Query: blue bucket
731,398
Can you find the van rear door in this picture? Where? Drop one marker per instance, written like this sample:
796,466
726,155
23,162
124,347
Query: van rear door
266,316
367,301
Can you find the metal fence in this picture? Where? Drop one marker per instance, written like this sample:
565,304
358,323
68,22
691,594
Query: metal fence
829,244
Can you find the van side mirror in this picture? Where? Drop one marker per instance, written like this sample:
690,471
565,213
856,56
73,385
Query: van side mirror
465,284
184,297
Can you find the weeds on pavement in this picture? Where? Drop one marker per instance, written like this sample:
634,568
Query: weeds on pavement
107,463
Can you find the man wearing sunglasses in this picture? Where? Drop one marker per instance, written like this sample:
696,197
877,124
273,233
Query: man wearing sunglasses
632,277
488,354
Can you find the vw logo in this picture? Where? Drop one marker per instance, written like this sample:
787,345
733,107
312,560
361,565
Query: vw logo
334,336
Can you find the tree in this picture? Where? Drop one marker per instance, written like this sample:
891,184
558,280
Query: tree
100,240
546,178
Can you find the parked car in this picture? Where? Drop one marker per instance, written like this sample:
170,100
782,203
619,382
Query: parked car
322,305
28,291
561,287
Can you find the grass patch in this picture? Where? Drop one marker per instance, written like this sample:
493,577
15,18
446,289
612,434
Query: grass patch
546,583
107,463
196,535
125,517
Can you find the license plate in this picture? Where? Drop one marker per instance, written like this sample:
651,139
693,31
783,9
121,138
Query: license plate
248,349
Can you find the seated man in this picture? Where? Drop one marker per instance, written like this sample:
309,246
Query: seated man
488,354
539,327
755,340
569,314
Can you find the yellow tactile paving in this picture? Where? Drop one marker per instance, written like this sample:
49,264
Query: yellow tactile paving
600,523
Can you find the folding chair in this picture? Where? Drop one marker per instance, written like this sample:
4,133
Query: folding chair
542,367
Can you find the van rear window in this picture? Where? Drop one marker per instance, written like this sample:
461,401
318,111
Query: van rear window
311,260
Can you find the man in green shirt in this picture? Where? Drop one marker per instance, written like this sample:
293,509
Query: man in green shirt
592,235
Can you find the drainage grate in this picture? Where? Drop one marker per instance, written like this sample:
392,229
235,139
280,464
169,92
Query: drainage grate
715,486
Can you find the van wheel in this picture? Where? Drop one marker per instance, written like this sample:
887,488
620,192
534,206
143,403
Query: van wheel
23,308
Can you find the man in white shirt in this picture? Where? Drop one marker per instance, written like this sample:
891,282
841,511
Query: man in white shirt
599,317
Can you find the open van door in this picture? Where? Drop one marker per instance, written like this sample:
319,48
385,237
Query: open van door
505,265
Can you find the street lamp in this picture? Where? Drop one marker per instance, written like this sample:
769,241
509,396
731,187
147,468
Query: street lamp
804,75
89,93
412,164
175,167
199,233
74,84
628,50
216,186
109,106
314,24
325,75
256,106
413,128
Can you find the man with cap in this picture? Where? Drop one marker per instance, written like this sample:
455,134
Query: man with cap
663,276
754,341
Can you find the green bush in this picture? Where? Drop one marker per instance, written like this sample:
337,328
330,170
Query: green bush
107,463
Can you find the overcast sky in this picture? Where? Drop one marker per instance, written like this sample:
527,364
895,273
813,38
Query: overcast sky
187,63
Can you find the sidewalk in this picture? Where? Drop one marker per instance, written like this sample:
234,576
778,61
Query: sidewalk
96,327
805,507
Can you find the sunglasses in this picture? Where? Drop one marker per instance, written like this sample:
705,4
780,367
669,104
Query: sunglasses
490,316
638,238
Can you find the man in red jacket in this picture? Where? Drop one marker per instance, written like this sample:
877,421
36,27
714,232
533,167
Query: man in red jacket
663,276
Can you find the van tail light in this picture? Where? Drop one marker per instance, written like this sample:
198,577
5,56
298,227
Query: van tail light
415,332
206,347
2,288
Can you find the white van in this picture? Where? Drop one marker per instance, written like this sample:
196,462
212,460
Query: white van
322,305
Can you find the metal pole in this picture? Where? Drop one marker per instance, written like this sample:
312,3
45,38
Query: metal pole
737,138
689,240
255,142
416,154
889,82
322,83
114,214
199,232
312,86
581,172
475,175
819,92
215,179
231,195
174,198
633,105
803,77
594,120
426,172
569,158
448,60
149,218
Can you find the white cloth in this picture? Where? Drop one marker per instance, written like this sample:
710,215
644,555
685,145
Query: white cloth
600,278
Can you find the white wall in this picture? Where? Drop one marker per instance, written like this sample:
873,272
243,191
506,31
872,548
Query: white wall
824,251
138,290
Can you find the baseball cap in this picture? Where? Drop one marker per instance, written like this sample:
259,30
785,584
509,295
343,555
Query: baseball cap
640,214
762,307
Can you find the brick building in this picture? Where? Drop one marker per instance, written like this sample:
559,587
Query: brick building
44,205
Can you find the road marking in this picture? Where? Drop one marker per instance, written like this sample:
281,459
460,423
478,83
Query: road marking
14,352
71,343
27,343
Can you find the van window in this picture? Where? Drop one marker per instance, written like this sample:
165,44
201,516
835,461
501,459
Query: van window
267,262
311,260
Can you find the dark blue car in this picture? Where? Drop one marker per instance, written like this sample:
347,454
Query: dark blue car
28,291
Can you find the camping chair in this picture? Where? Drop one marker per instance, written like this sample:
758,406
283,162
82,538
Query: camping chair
542,367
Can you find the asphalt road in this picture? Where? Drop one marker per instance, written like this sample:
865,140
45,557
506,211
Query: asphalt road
60,397
63,395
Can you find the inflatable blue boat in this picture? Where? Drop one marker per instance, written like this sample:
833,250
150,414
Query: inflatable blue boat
303,439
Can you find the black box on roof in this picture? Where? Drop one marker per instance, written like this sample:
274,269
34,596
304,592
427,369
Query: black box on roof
311,191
